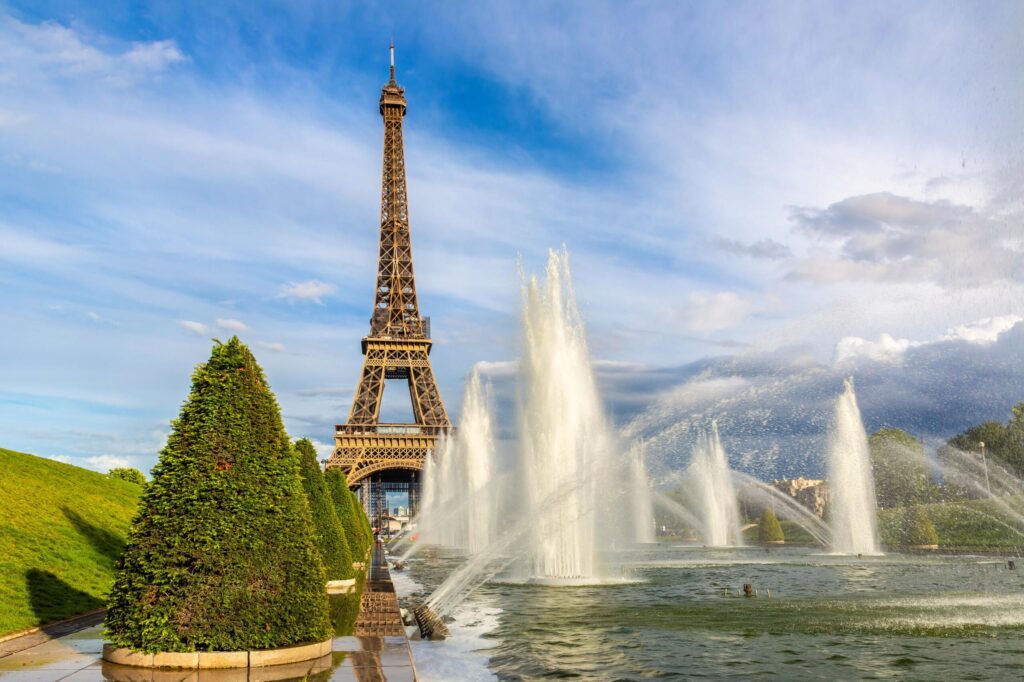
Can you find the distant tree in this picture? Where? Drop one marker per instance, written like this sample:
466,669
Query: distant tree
900,469
1004,444
221,556
918,528
330,535
128,474
769,530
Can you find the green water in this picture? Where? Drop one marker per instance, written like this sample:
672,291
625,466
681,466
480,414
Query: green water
891,617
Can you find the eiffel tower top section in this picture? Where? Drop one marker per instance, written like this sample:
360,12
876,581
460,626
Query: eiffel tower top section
395,310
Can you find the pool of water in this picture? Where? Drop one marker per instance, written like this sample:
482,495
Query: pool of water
895,616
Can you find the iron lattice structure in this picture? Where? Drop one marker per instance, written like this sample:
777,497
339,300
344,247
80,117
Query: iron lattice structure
398,346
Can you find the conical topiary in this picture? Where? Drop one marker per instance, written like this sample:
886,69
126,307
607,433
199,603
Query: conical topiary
330,535
362,520
221,555
770,530
918,529
337,485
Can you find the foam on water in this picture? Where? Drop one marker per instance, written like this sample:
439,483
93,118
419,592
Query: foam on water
464,655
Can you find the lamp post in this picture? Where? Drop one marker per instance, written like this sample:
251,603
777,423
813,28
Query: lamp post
984,463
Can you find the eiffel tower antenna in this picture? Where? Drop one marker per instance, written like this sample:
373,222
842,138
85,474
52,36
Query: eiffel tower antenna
398,345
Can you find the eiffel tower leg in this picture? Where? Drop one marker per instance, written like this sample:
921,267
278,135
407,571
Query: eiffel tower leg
366,405
426,399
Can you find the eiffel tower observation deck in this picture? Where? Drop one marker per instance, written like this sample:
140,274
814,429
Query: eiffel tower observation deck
377,456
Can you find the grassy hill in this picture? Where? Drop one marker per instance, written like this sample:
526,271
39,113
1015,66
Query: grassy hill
61,531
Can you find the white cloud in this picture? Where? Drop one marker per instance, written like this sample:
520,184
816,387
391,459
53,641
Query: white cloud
885,349
107,462
195,327
311,290
232,324
706,313
51,49
888,349
986,330
272,346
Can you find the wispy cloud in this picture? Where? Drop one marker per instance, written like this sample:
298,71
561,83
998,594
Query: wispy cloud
194,327
311,290
232,324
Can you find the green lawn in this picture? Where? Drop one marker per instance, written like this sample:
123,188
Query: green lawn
61,531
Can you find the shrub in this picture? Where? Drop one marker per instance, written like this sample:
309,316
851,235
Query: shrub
221,554
769,529
918,528
348,513
330,535
128,474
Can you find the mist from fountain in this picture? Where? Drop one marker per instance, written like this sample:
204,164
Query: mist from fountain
563,435
785,507
640,497
709,484
853,510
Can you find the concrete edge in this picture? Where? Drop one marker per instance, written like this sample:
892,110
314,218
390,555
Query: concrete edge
57,623
211,660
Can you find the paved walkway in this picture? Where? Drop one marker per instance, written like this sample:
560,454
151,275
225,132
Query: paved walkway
378,652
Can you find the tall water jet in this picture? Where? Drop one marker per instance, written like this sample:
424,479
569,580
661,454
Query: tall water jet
710,485
852,505
641,504
459,503
564,439
475,451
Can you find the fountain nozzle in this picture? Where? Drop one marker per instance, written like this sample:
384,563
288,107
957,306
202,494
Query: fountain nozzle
430,624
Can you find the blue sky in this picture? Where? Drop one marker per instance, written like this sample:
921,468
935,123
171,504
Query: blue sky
816,180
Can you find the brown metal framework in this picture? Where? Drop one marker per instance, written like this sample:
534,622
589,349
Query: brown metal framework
398,346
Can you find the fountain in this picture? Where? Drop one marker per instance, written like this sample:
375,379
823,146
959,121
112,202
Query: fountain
564,438
640,497
709,484
852,506
459,501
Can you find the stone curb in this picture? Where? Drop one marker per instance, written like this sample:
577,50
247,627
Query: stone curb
45,626
209,660
341,586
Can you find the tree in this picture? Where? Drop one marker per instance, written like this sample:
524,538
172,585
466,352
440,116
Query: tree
330,535
769,530
918,528
337,485
221,555
128,474
900,470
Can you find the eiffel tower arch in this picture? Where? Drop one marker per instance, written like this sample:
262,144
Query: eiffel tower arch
379,457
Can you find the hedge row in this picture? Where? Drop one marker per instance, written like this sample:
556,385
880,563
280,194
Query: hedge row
235,535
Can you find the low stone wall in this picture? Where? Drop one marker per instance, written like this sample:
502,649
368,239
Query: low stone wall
210,660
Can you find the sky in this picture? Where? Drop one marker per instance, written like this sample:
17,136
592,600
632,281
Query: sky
758,199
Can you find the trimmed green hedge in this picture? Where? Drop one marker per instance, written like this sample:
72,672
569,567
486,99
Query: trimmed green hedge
330,535
352,518
769,529
221,556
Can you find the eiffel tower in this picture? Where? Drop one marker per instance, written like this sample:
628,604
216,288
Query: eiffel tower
377,456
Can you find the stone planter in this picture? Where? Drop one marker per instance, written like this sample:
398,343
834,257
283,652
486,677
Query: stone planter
922,546
210,660
341,586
